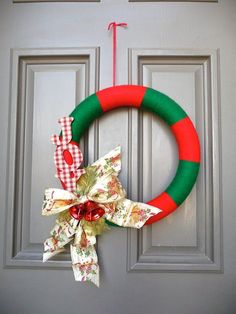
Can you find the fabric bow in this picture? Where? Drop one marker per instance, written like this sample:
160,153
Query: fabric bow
99,196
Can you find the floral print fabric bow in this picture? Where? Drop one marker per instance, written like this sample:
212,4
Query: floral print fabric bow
82,215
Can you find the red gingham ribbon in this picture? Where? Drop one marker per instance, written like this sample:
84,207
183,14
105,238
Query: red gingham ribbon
67,157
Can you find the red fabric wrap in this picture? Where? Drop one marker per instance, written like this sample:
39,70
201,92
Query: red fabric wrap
187,139
121,96
164,202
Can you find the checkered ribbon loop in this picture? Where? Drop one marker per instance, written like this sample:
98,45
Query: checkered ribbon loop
67,157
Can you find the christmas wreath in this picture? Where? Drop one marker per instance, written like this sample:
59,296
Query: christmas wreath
93,196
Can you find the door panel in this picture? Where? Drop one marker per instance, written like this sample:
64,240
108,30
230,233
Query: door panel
188,239
45,83
185,50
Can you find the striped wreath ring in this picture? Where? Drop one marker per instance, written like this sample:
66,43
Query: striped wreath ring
167,109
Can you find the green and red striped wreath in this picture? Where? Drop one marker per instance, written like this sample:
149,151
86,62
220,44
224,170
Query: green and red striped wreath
93,197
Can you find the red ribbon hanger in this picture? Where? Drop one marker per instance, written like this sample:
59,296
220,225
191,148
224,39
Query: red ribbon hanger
113,26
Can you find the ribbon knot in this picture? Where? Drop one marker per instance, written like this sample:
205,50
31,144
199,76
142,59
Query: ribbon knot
114,25
99,196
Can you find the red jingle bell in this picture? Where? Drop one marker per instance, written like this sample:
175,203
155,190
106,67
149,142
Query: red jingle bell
95,214
90,211
93,211
77,211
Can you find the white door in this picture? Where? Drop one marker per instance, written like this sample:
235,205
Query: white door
53,55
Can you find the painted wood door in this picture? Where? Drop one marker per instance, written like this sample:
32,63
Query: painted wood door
53,55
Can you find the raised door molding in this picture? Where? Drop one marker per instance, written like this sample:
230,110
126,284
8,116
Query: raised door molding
46,84
37,1
190,238
173,0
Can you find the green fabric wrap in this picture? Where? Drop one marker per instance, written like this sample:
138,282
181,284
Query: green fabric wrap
183,181
163,106
84,114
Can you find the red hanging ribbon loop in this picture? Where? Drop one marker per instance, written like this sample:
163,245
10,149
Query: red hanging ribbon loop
114,25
